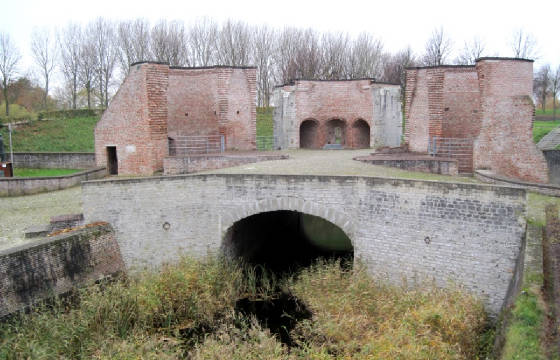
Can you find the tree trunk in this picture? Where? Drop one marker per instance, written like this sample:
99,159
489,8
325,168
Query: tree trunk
88,90
5,91
74,89
46,95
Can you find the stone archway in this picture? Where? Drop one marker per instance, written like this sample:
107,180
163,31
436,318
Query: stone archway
284,239
308,134
360,134
336,132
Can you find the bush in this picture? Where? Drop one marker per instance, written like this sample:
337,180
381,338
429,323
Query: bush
65,114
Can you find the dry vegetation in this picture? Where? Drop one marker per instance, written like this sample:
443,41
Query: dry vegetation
190,310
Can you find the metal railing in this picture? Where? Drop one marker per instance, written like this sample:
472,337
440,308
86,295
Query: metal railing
265,142
456,148
196,144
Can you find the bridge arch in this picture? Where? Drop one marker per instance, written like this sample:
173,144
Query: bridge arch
283,232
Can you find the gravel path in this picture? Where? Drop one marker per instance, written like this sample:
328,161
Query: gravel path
18,213
331,162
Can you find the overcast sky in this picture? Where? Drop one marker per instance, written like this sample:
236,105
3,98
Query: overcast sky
397,22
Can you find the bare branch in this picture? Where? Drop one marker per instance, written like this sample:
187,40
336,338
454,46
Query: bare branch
9,59
437,49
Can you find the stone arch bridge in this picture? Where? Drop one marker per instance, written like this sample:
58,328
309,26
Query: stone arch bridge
402,230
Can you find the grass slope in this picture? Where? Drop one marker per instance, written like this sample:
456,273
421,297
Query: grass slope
74,134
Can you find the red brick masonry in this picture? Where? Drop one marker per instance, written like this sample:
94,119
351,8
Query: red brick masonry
157,102
489,102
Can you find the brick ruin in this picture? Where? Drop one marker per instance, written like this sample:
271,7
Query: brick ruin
157,104
485,110
358,113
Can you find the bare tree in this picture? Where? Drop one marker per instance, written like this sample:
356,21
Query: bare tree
169,43
70,39
44,51
9,59
133,42
541,84
234,44
471,51
523,45
202,42
88,65
264,38
335,54
366,59
394,67
437,49
104,45
554,89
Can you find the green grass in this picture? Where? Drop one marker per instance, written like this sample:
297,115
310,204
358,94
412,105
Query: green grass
148,316
16,112
548,111
541,128
264,121
26,172
74,134
523,335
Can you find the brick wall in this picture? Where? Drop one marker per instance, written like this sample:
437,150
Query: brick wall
347,104
53,266
174,165
156,102
401,229
489,102
505,144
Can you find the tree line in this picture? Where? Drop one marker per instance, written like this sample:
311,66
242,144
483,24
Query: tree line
94,58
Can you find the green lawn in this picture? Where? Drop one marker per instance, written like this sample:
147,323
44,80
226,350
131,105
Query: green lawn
26,172
73,134
541,128
539,111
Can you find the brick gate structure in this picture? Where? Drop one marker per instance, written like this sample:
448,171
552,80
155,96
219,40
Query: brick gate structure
358,113
157,104
488,104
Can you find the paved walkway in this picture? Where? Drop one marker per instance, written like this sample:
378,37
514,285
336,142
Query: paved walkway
331,162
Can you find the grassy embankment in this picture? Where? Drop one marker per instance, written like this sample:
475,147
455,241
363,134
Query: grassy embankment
189,310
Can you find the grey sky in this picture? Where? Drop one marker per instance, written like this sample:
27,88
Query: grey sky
397,23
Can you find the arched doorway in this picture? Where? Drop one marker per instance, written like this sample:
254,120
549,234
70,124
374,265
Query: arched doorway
284,239
360,134
336,132
308,134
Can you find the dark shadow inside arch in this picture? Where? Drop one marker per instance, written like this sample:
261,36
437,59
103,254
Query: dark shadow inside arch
308,134
286,240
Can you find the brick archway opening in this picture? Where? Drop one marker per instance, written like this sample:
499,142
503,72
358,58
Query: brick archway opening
284,240
336,132
360,134
308,134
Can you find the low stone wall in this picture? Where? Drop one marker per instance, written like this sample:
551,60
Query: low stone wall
422,163
174,165
53,266
18,186
54,160
553,160
488,176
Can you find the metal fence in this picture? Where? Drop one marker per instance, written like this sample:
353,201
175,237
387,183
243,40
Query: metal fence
456,148
196,144
265,142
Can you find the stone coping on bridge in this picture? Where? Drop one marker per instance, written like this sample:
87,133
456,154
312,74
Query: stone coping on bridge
497,188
